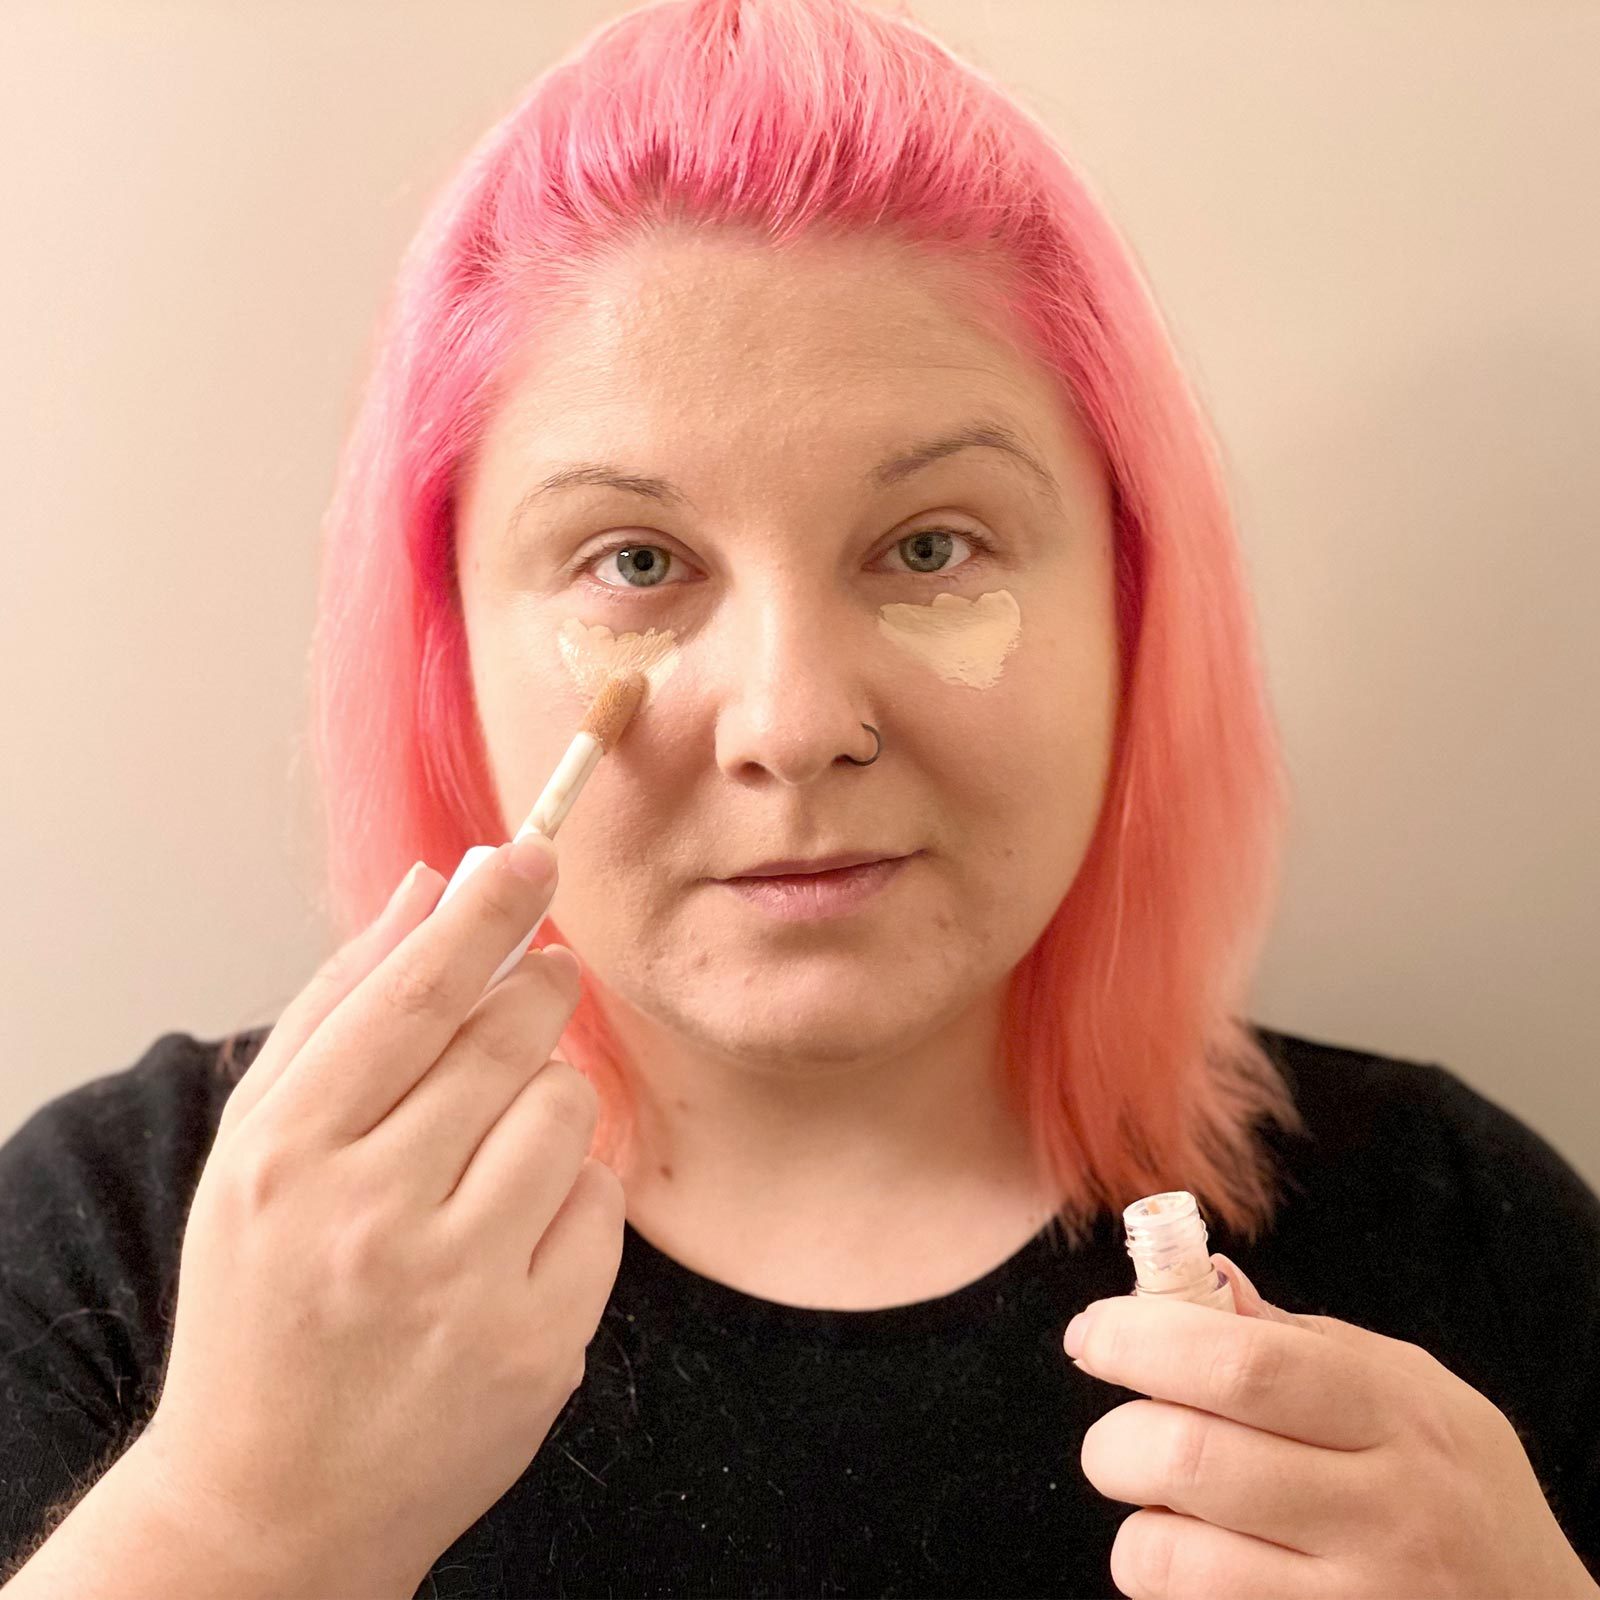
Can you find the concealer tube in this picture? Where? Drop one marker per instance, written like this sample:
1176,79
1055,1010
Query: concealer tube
1166,1237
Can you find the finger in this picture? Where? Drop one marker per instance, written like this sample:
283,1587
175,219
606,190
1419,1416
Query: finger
507,1037
574,1264
1158,1552
520,1174
567,958
1264,1374
413,898
1301,1496
1248,1301
370,1051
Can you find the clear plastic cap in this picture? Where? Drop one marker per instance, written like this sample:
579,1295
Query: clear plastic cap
1168,1243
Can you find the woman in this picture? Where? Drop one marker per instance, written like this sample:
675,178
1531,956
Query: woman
770,328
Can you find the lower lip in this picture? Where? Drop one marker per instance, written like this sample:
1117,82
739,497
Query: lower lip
812,896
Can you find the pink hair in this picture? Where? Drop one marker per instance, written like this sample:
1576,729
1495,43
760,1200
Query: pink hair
1125,1046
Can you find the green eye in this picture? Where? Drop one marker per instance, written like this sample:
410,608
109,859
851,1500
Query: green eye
646,562
932,546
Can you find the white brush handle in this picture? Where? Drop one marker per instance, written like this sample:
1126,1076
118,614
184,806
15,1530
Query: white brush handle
549,812
572,772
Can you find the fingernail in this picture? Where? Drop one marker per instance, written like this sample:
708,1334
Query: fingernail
405,886
533,856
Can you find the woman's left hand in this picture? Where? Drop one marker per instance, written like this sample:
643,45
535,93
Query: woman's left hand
1290,1457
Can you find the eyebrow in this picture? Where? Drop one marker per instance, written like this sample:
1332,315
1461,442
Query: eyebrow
893,470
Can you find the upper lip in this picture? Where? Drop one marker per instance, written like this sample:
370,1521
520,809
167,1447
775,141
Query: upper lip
795,865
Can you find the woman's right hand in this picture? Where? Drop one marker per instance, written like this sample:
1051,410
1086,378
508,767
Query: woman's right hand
399,1248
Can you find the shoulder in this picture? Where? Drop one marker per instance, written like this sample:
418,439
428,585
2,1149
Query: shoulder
151,1121
94,1188
1427,1210
1422,1125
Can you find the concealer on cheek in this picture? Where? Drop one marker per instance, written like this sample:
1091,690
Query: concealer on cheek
592,654
964,641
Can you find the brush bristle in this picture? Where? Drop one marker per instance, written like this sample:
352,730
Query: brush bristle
613,708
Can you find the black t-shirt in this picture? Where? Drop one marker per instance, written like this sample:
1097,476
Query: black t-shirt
721,1444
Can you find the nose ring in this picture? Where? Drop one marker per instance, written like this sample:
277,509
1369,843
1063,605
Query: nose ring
877,751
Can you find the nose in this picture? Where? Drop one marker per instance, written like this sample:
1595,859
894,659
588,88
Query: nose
790,684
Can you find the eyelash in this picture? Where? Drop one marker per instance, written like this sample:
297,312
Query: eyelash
984,548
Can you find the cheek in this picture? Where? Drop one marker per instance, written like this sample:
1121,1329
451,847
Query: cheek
1043,732
1027,764
527,702
1065,678
633,841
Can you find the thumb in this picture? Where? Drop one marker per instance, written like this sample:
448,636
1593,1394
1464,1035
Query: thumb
1247,1300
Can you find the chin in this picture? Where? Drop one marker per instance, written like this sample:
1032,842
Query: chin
807,1013
792,1043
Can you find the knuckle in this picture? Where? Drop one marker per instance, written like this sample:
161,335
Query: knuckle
1244,1370
418,991
1453,1422
505,894
261,1172
501,1032
1188,1454
570,1099
360,1247
1428,1428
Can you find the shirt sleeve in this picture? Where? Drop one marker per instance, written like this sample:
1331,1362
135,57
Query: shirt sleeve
94,1188
1539,1226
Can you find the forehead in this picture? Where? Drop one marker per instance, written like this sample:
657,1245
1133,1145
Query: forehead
721,334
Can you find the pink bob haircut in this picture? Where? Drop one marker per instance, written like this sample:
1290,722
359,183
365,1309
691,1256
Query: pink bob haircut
1125,1047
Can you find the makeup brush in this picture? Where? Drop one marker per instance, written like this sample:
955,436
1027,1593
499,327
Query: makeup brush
609,715
606,720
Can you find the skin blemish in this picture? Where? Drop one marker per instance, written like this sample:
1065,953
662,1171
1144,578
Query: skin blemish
592,654
964,641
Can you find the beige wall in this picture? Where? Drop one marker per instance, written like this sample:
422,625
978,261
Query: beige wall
1373,228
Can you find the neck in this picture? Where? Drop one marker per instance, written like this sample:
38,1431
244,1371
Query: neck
831,1175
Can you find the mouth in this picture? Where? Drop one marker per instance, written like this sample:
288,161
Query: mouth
819,867
835,891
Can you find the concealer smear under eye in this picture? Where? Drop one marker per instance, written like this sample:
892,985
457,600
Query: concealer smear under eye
592,654
964,641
